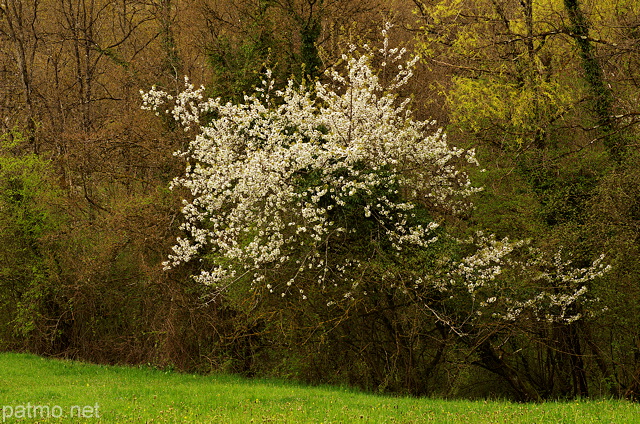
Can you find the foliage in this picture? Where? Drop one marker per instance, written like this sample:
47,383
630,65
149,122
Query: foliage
535,86
505,112
27,218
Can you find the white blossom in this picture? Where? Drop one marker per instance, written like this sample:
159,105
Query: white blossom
251,206
270,178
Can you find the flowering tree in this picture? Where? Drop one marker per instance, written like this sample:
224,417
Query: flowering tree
333,190
272,178
287,182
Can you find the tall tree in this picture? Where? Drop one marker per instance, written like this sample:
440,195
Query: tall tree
19,28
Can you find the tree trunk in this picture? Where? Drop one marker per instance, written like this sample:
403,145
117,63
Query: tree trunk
594,76
494,363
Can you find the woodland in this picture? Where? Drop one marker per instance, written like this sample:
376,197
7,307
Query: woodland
287,213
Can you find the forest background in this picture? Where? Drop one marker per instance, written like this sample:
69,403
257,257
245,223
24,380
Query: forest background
546,91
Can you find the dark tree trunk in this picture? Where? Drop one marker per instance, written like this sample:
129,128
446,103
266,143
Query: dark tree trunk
594,76
494,363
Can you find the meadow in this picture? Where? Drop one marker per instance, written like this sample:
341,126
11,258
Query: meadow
36,389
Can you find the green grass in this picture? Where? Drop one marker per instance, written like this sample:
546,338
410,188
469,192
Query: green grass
139,395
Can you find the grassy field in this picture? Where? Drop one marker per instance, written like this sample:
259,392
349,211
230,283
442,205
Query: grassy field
33,389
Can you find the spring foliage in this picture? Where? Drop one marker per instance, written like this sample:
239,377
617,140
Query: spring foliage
301,190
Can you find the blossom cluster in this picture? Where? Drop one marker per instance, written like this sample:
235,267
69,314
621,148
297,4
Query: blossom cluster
284,181
269,176
562,287
508,281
